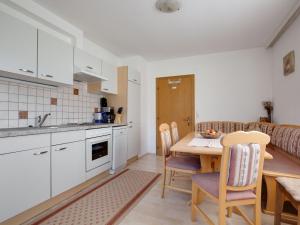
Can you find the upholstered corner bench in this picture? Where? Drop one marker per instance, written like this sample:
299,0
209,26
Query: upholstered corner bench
284,147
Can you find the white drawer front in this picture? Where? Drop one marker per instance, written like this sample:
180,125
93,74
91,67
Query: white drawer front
21,143
67,137
120,132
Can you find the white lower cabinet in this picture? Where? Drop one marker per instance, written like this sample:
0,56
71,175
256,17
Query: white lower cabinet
25,180
68,166
119,147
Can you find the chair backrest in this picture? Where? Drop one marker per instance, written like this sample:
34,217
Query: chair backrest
166,141
175,135
242,161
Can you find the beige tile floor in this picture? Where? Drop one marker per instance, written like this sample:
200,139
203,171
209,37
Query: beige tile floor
151,210
174,209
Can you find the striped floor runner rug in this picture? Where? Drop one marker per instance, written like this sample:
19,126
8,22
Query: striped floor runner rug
104,203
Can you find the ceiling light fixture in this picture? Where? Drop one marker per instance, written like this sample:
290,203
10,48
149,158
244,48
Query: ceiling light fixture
168,6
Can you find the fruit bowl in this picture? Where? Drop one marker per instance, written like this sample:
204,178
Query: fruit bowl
211,134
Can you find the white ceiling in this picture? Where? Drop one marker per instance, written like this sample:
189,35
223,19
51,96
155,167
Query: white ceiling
135,27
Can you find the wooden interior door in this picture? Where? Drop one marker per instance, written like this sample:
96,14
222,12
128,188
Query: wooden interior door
175,101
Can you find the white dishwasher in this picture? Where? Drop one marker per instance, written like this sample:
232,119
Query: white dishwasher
119,147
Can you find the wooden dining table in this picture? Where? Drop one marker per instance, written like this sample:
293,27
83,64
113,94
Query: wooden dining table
210,158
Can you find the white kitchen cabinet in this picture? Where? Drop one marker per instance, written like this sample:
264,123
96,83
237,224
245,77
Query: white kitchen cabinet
55,59
134,76
86,62
25,180
18,46
119,147
110,72
68,166
133,119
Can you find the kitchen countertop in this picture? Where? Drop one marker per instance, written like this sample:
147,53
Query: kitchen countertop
13,132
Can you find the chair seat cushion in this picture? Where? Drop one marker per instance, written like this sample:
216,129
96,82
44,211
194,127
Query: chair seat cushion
184,163
291,185
209,182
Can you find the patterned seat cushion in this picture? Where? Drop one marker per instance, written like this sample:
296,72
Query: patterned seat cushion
184,163
291,185
223,126
267,128
287,139
209,182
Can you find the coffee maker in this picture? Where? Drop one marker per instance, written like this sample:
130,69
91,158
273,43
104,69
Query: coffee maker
107,113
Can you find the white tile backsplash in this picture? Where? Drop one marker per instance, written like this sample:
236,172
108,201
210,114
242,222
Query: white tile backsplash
36,99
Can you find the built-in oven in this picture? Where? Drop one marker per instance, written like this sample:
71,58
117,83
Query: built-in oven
98,147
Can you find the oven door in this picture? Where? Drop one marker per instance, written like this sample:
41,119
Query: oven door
98,151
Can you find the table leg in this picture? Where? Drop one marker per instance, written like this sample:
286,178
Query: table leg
279,205
206,164
271,193
217,163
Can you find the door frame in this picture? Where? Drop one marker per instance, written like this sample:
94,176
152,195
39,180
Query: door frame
157,108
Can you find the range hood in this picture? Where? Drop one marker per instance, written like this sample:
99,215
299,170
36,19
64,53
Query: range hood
82,74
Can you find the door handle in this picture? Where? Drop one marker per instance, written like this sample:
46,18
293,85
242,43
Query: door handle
61,149
47,75
26,71
40,153
90,67
188,120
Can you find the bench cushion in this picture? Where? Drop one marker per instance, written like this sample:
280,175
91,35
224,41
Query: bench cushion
281,164
291,185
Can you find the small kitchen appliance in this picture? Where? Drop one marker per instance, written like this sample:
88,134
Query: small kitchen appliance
97,117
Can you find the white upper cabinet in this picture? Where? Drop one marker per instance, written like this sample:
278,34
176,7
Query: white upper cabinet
55,59
18,46
110,72
86,65
134,76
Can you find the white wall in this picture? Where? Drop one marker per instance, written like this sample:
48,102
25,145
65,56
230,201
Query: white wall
229,86
286,90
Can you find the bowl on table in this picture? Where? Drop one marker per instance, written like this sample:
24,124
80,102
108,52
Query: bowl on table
211,134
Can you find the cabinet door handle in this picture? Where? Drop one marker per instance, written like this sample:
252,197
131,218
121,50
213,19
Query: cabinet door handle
90,67
135,80
105,89
130,122
129,126
40,153
47,75
61,149
26,71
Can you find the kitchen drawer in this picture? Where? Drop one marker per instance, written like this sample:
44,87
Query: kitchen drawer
67,137
119,132
21,143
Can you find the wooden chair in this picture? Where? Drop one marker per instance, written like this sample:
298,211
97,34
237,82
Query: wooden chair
239,180
172,164
287,189
175,134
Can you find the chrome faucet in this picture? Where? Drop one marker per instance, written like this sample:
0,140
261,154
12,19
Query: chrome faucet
41,121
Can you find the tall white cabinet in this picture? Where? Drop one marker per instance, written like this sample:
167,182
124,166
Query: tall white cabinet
129,98
133,118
